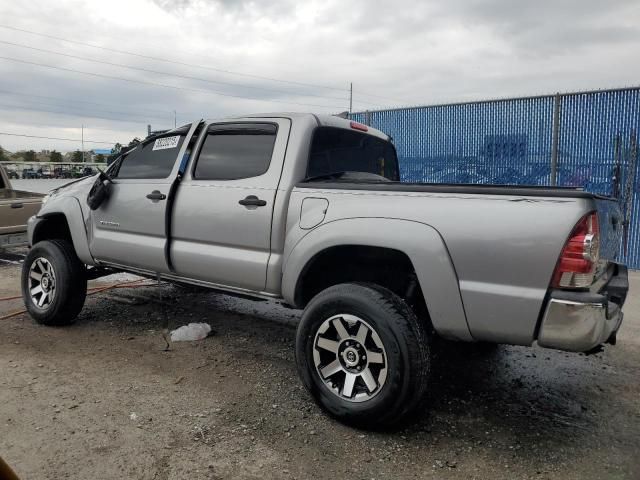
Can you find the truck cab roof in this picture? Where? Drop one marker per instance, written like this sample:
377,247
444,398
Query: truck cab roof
325,120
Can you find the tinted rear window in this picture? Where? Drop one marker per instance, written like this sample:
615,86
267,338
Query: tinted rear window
337,150
235,151
145,162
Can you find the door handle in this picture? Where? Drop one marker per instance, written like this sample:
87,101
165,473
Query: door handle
253,201
17,205
156,195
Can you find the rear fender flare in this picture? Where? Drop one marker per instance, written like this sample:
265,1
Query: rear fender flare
420,242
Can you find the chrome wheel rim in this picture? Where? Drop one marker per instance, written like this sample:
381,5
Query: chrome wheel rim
42,283
350,358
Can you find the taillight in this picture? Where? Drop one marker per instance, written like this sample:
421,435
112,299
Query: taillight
576,267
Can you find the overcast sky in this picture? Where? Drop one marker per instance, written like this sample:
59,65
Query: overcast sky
286,55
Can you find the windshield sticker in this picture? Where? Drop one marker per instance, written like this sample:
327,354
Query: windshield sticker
166,142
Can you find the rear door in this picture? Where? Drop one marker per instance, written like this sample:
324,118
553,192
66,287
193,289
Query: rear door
221,227
129,227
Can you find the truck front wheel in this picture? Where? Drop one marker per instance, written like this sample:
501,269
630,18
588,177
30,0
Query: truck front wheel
363,355
54,283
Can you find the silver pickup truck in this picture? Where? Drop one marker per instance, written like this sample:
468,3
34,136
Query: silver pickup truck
309,209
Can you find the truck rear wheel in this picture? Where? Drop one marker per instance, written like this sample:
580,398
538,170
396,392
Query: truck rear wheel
363,355
54,283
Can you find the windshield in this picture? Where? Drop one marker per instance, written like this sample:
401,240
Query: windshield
340,150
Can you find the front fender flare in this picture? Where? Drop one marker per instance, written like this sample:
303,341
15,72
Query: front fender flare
420,242
70,208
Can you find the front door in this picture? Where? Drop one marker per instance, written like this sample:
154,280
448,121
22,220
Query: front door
129,227
221,228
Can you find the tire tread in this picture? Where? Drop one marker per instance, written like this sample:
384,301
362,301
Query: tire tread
67,308
407,329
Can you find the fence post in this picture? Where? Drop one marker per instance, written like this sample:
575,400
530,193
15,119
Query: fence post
367,118
555,139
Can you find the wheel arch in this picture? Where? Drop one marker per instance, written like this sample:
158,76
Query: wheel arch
409,244
61,220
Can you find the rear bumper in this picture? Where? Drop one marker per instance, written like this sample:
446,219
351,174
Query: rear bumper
581,321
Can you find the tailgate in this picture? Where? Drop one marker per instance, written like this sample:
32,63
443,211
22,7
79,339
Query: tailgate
611,228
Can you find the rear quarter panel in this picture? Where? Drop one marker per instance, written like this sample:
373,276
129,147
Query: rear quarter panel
503,249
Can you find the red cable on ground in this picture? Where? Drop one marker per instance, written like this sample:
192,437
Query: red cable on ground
91,291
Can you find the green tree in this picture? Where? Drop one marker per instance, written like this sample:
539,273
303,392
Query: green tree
76,156
100,158
55,156
3,157
115,152
30,156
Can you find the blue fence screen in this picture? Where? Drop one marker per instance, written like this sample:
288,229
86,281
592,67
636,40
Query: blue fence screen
586,139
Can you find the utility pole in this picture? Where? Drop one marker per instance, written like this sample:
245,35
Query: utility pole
350,97
82,135
175,119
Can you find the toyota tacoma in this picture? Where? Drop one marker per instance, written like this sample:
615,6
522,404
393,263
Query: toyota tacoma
310,209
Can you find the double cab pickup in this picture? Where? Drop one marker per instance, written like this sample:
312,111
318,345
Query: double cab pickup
310,209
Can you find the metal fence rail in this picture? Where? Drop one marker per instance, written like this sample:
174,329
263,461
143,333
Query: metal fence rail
583,139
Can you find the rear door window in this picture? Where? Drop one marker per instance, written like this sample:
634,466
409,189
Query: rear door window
236,151
154,160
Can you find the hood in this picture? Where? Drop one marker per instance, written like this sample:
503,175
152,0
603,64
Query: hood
77,181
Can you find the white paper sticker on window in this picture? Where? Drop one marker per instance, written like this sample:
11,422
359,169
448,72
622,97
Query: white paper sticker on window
166,142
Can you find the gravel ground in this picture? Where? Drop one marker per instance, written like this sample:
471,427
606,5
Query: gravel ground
102,400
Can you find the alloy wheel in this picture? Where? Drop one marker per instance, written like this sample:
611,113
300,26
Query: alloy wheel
350,358
42,283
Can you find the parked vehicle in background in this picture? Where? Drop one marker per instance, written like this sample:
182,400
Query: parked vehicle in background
309,209
29,173
45,173
13,174
61,172
15,209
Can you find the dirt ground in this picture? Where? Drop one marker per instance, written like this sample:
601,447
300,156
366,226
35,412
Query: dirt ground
103,400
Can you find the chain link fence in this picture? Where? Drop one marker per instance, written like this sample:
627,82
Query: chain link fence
582,139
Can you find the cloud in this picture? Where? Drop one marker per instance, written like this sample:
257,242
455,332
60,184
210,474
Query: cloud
395,53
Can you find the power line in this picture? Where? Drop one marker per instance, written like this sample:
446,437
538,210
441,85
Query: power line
67,126
176,62
114,112
382,98
189,77
55,138
29,95
164,85
4,106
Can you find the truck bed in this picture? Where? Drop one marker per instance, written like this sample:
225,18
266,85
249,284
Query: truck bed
517,190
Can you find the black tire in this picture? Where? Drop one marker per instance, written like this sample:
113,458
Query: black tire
405,341
70,282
